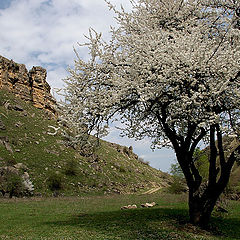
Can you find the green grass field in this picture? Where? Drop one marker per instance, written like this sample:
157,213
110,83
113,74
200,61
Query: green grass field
101,218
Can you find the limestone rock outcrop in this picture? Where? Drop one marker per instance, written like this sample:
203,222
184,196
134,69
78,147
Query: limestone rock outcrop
28,85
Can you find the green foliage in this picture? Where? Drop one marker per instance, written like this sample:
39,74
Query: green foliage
55,181
12,184
10,161
200,157
202,163
176,170
122,169
178,186
71,167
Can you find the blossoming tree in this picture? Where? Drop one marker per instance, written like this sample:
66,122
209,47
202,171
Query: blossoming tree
170,72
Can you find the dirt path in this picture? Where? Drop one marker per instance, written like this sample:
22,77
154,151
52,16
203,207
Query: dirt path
153,190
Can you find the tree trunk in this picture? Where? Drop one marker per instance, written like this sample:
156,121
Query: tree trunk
203,196
201,207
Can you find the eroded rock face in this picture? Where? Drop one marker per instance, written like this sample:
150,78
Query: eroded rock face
15,77
30,86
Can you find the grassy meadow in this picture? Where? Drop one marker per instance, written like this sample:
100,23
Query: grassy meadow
101,218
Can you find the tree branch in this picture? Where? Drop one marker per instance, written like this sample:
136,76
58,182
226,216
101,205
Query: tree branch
235,78
217,47
171,134
225,174
191,130
197,140
220,147
197,176
213,156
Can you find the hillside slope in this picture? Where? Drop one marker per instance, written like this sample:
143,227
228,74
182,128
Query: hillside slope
25,137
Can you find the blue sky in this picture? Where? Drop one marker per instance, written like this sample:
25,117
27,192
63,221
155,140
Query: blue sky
44,32
5,4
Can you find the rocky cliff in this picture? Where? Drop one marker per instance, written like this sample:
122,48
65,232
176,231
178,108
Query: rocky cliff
28,85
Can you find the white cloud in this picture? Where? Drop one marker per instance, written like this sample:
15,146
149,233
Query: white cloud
44,32
51,27
54,74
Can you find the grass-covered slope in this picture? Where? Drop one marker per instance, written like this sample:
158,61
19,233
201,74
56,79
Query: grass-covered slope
53,167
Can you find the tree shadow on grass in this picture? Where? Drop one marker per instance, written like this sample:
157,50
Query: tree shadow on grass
228,227
157,223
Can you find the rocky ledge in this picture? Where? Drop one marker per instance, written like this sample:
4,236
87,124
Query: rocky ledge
28,85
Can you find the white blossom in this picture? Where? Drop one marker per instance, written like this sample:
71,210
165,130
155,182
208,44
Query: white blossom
169,64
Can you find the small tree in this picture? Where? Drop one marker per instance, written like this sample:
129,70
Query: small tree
171,73
12,183
176,170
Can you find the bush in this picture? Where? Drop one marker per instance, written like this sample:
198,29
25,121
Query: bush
71,168
122,169
11,183
10,161
176,170
15,185
55,182
178,186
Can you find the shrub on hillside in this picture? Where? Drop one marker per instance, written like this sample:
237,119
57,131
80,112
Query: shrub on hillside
10,161
15,181
178,186
122,169
71,168
55,181
11,183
